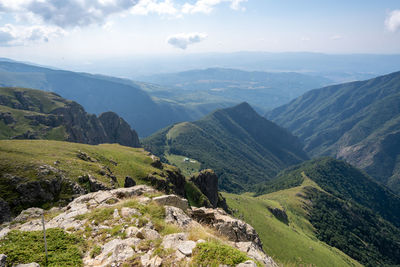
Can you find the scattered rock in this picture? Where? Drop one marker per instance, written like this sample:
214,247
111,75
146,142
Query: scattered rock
248,263
115,251
172,200
186,247
149,234
32,264
129,182
116,214
131,231
129,212
84,156
172,240
177,216
7,117
31,213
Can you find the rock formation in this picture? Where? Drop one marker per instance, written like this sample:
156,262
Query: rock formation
141,234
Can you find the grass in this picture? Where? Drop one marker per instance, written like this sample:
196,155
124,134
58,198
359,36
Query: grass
214,254
188,168
24,247
22,158
294,244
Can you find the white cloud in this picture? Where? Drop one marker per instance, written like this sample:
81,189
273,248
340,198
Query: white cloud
206,6
182,40
305,39
11,35
68,13
392,21
145,7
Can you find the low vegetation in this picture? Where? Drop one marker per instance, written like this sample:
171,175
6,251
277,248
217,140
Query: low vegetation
24,247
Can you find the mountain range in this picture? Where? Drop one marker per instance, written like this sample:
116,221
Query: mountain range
262,90
357,122
242,147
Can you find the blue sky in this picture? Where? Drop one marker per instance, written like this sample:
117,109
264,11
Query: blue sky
88,29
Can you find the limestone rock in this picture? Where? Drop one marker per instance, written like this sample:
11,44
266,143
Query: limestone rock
129,212
207,182
32,264
177,216
173,240
186,247
248,263
148,234
116,214
256,253
129,182
131,231
236,230
116,250
172,200
30,213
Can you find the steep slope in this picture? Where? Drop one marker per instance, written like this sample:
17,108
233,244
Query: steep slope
46,173
97,94
262,90
242,147
346,209
358,122
34,114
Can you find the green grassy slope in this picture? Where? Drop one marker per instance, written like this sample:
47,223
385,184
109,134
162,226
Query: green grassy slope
239,145
293,244
342,206
358,122
23,158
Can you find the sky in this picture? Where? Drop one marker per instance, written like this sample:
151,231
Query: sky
83,30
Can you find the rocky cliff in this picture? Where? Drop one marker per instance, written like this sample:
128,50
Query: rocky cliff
136,226
33,114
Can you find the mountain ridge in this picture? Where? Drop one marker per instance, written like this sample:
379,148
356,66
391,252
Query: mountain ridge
242,147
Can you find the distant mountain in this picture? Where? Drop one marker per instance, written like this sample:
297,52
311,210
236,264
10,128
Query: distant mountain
346,207
242,147
34,114
217,85
97,94
358,122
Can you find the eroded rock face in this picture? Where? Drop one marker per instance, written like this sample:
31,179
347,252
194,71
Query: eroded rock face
207,182
5,212
236,230
118,130
129,182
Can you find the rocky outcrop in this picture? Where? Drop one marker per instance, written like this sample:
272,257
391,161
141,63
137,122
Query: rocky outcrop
129,182
5,211
53,111
139,240
236,230
207,182
118,130
3,259
279,214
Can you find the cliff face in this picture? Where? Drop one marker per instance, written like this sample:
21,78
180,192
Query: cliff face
33,114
